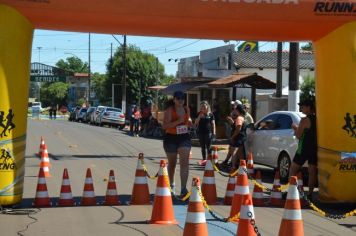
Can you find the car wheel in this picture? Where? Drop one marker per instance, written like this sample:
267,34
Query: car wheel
121,127
284,163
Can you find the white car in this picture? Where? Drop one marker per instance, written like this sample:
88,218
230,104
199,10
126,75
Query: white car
112,116
272,141
95,115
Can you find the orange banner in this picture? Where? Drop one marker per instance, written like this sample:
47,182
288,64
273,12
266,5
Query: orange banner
277,20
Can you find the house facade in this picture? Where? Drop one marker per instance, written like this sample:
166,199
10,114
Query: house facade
216,63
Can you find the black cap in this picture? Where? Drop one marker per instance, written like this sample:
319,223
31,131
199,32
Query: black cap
178,94
308,103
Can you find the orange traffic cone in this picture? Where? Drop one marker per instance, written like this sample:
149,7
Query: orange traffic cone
250,169
140,193
88,198
111,198
195,222
246,215
162,212
230,188
257,195
190,154
276,194
292,223
41,199
303,202
241,189
65,197
41,147
215,154
208,187
45,161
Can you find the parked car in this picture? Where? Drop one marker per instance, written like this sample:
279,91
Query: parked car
81,114
272,141
73,113
113,117
89,114
94,116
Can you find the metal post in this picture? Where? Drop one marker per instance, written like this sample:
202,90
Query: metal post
89,76
112,95
293,97
279,70
124,78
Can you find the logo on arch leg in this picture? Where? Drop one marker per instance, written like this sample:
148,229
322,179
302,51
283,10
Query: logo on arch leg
350,124
6,123
7,162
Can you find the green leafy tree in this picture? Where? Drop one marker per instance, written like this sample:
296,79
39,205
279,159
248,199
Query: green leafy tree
142,70
54,93
98,85
74,64
307,88
307,47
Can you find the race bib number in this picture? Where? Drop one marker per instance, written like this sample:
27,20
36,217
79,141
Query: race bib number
182,129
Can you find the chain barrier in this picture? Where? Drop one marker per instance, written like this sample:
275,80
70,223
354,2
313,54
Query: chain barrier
145,169
213,214
222,173
253,223
323,213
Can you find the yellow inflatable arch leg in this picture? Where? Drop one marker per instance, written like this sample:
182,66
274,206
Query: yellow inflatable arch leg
336,114
15,51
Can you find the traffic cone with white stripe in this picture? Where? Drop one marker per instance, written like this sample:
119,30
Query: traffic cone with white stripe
230,188
88,198
42,198
208,187
111,198
140,193
162,212
276,194
41,147
303,202
215,154
195,222
247,214
45,161
241,189
292,223
65,197
257,195
250,169
190,154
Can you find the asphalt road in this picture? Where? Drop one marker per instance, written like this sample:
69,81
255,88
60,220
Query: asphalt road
77,146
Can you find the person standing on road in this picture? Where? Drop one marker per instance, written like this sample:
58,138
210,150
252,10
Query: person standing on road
205,123
176,139
307,145
136,115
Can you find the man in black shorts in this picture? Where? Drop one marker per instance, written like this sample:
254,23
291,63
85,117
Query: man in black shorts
307,145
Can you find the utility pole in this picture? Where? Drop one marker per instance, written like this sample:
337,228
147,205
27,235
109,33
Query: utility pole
124,78
279,70
39,54
293,97
89,74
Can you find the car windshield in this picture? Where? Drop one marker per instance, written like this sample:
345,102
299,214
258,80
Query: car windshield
113,109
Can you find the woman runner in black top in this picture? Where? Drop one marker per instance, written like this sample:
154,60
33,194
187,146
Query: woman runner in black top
307,145
205,123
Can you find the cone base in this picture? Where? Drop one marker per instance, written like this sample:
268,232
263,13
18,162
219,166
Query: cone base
191,229
245,229
291,228
163,222
140,195
88,202
44,204
66,203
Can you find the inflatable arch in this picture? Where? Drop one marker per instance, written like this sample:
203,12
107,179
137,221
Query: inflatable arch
330,24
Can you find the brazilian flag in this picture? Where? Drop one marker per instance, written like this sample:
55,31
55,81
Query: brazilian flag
248,46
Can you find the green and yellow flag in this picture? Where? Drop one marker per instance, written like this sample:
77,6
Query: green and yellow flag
248,46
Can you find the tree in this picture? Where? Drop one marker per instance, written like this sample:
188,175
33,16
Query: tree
54,93
98,85
307,88
74,64
307,47
142,70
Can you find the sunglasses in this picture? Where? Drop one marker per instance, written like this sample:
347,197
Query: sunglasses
179,98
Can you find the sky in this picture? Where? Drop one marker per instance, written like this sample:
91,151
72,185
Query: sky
50,46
